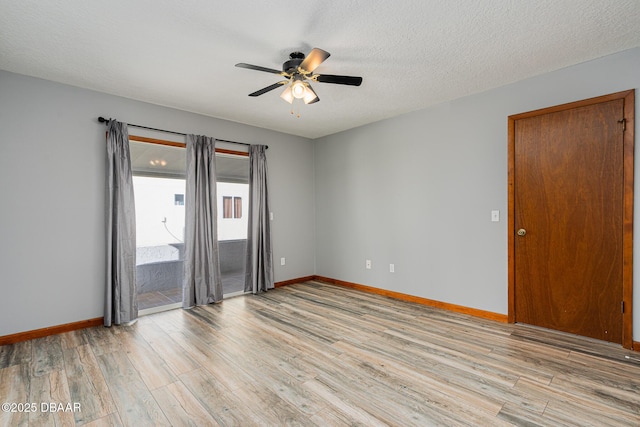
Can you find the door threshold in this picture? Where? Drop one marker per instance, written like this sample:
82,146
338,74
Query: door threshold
159,309
574,343
167,307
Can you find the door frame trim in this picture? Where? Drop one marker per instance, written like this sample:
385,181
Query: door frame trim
628,178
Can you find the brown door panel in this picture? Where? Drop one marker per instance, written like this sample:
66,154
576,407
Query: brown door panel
569,192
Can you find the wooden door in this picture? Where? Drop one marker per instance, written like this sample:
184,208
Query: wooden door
569,219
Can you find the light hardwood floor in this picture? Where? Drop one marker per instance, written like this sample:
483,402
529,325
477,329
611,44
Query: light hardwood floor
315,354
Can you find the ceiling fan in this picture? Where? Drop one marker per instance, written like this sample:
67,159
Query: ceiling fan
298,71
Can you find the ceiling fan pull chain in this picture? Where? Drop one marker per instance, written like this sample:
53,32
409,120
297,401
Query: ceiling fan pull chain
295,109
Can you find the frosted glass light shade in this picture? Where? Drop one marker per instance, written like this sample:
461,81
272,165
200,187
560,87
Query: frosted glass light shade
287,95
309,95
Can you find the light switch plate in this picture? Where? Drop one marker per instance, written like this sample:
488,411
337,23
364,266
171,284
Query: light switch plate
495,216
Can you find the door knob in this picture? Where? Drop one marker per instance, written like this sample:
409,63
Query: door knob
522,232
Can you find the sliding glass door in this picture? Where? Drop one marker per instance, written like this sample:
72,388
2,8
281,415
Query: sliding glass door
159,187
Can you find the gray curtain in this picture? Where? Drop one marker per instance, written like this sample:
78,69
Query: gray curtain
121,300
259,265
202,283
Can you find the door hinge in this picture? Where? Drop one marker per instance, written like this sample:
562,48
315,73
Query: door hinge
624,124
622,306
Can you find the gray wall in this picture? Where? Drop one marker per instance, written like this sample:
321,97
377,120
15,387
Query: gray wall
52,192
417,190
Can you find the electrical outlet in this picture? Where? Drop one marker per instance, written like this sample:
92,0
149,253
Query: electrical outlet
367,264
282,261
392,268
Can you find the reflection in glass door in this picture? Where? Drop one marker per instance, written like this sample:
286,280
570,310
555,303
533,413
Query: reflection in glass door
159,240
159,188
232,235
233,206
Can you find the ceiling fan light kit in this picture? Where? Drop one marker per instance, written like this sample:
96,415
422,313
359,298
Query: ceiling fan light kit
298,71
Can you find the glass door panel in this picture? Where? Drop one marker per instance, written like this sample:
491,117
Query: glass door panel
159,188
233,205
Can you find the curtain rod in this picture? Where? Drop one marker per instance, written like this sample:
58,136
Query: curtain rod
106,122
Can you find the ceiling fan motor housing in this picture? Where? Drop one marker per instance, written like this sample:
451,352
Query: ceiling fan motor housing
295,59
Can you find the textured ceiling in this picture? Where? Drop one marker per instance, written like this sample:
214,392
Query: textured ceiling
411,53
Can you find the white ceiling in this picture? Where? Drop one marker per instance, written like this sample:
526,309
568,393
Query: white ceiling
411,53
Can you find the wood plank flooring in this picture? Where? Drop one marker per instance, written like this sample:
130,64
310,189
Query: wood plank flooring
314,354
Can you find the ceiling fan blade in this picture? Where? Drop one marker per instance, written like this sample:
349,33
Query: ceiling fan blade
259,68
269,88
315,58
339,80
